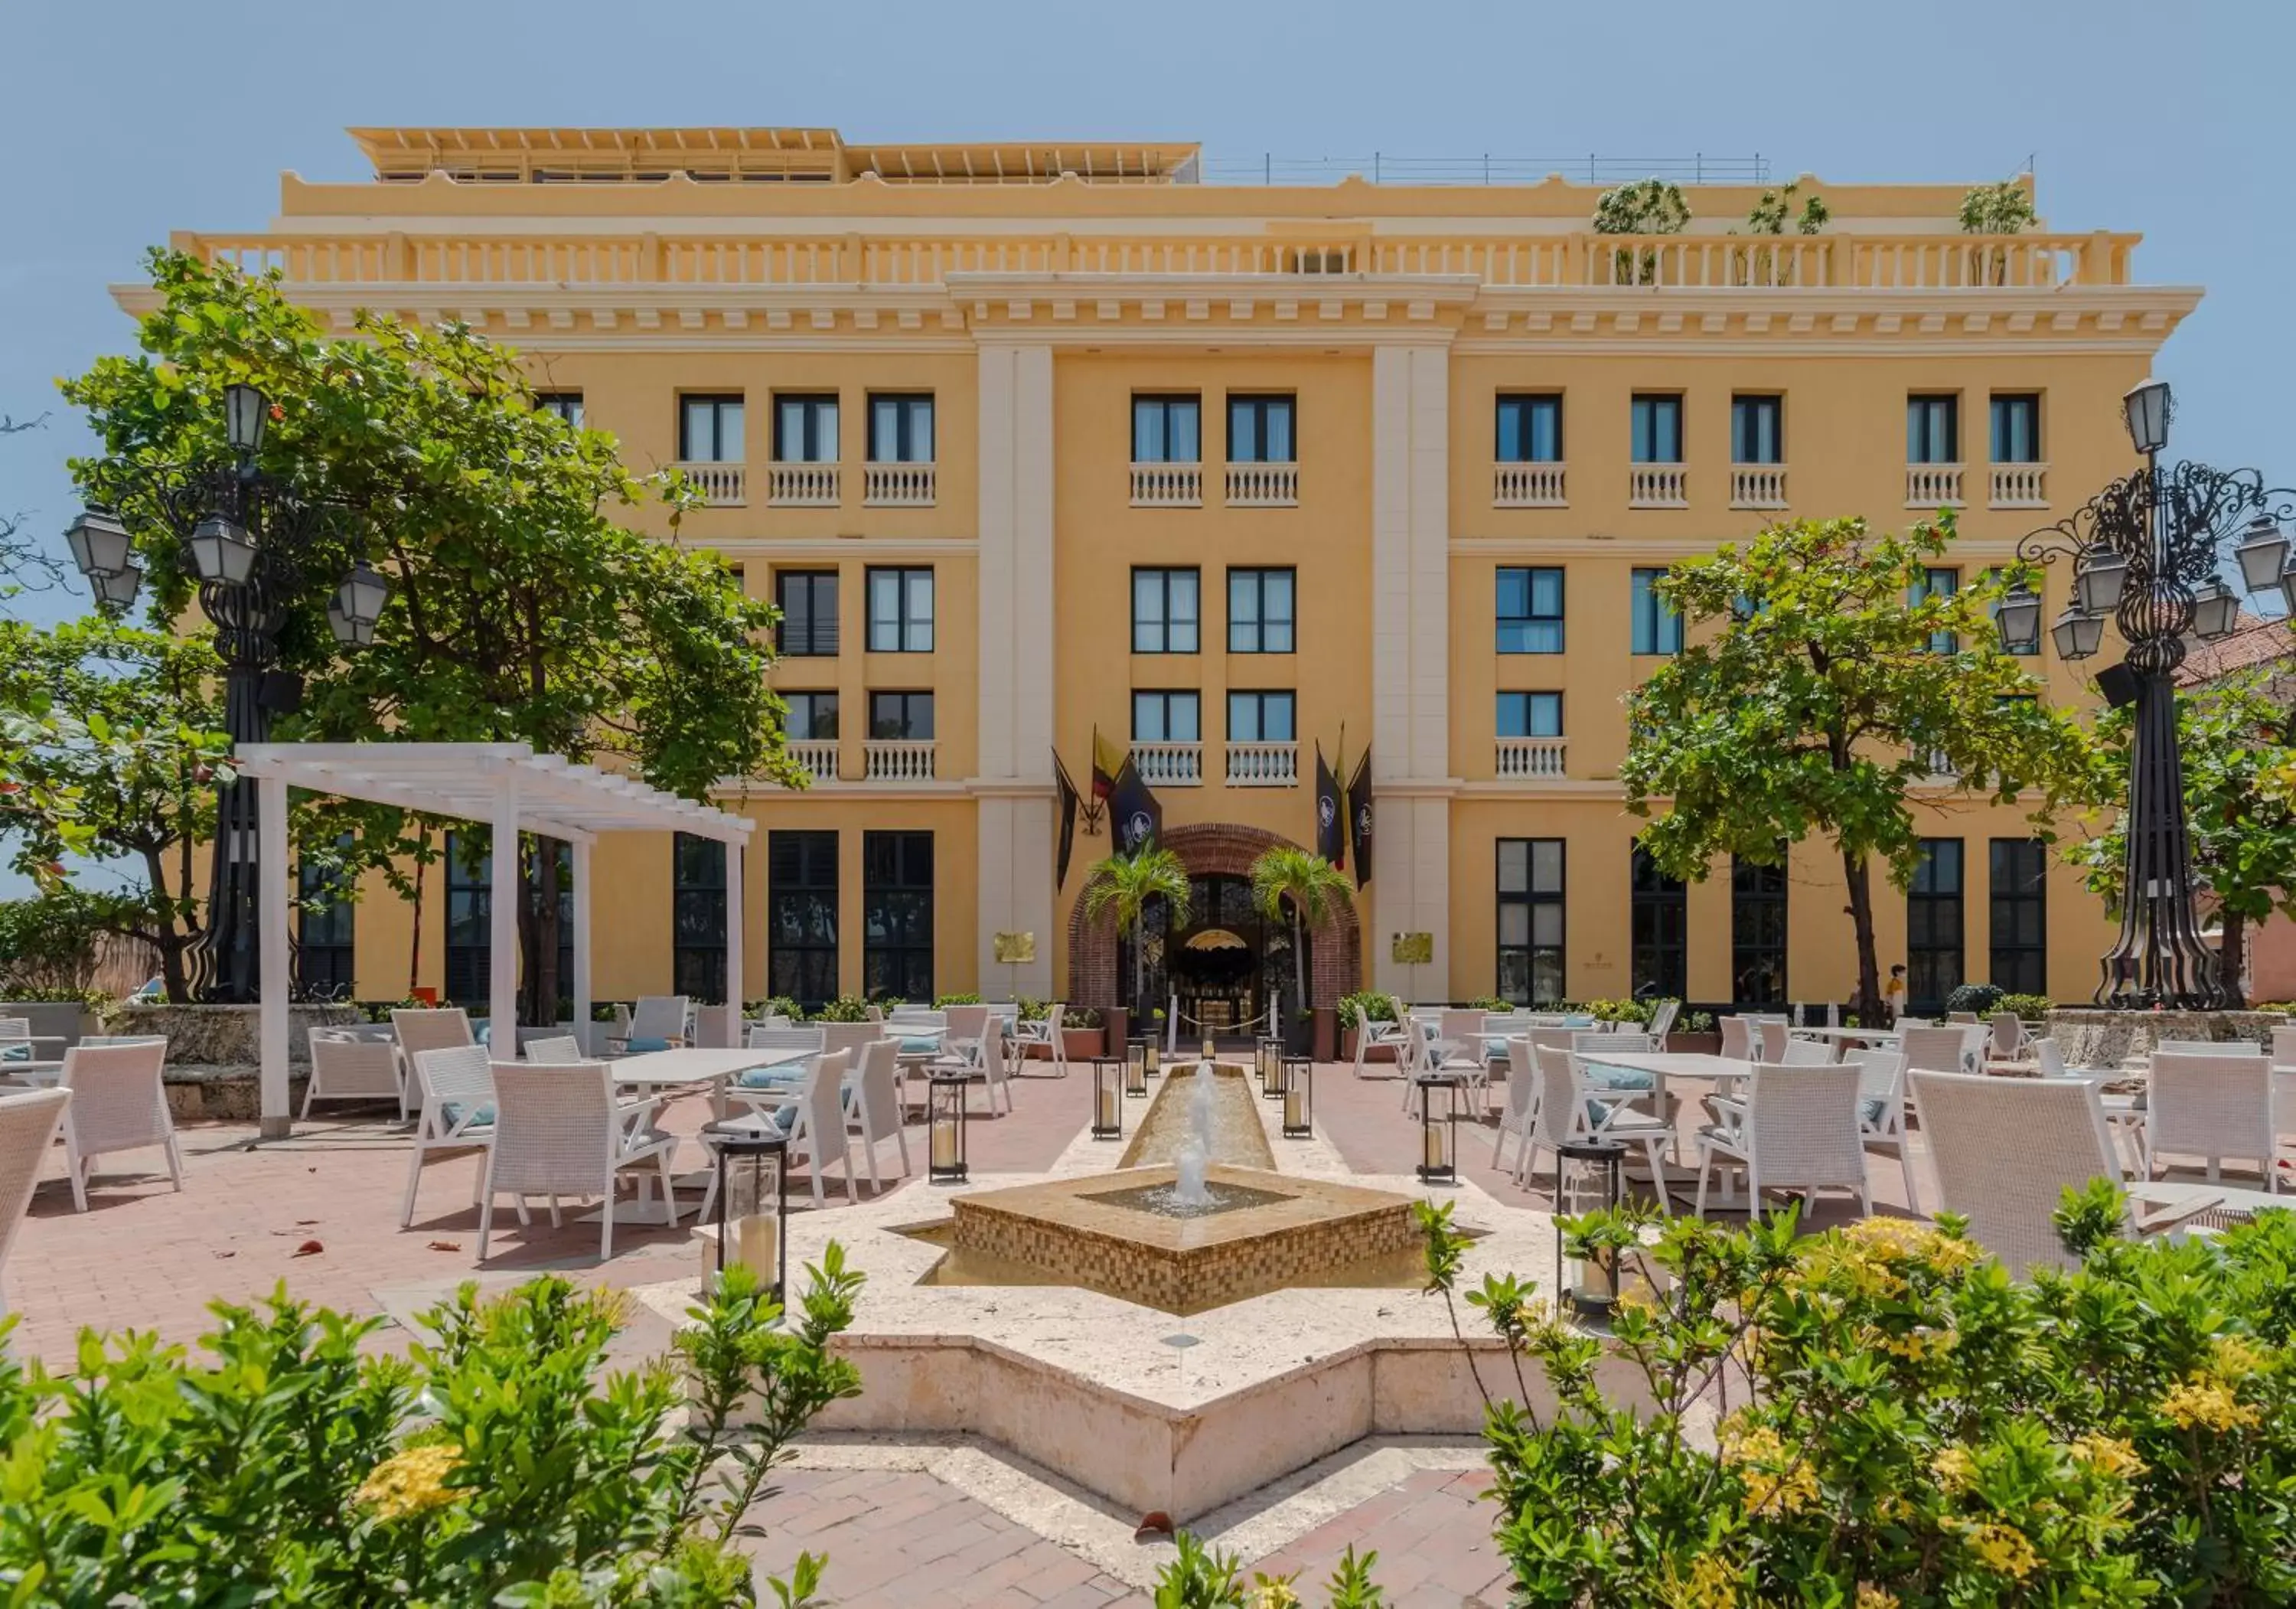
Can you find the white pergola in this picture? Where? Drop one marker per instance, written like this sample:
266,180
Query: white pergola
507,785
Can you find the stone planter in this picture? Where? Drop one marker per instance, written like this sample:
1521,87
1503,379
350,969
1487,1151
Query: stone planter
227,1036
1679,1043
2091,1038
1377,1052
1325,1037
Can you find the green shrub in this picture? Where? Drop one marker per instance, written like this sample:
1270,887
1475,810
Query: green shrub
292,1463
1080,1016
1697,1022
50,944
1367,1004
781,1006
1982,998
1900,1422
2031,1008
1202,1579
2002,208
2285,1007
845,1008
1035,1011
943,1002
1622,1011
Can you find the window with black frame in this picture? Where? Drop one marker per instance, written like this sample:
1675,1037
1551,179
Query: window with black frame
801,917
1530,609
1757,933
1529,430
697,918
1530,919
807,600
900,610
1261,611
1660,913
470,919
897,915
1933,927
325,954
2019,897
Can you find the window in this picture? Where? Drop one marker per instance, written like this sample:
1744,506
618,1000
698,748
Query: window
1530,429
325,967
900,611
1933,968
901,429
801,917
804,429
897,915
1259,611
1260,430
807,600
2017,431
811,716
1657,627
1758,430
1530,611
1933,429
1260,718
710,429
566,405
1658,430
1530,715
2021,916
470,919
1660,911
1530,919
1938,583
1167,430
1165,611
1757,933
697,918
901,716
1167,718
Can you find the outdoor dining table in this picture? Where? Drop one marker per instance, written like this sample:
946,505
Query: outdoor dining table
32,1075
1881,1039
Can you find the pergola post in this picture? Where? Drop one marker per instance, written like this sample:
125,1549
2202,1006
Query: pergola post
502,964
582,943
273,975
733,941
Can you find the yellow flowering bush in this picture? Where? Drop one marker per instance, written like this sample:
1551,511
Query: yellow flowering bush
413,1482
1880,1417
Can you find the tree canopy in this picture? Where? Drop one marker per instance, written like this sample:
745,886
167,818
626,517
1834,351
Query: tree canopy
1823,681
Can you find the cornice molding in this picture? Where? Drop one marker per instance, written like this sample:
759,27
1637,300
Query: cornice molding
824,547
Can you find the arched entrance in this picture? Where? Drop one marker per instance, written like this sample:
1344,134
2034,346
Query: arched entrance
1218,858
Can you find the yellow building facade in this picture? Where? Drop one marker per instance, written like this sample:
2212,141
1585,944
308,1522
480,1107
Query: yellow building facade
1035,442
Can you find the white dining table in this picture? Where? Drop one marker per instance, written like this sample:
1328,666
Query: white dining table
1863,1036
686,1067
33,1075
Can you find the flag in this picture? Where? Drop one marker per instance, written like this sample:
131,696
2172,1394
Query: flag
1067,809
1138,820
1107,761
1331,814
1359,818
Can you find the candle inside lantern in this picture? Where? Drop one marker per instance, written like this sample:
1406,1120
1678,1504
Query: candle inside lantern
1153,1054
1208,1048
1107,1099
1432,1132
1291,1119
756,1244
944,1145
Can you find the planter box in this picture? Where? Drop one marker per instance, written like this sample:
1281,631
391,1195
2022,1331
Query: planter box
1325,1036
1378,1052
1079,1044
227,1036
1679,1043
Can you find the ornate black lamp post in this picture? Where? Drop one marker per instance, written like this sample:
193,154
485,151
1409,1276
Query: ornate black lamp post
244,533
2146,552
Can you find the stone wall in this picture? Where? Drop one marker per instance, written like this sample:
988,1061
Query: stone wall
227,1036
2106,1039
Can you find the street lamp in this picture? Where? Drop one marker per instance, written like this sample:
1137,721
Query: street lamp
2147,550
244,534
2020,620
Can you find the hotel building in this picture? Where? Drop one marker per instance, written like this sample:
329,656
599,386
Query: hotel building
1029,441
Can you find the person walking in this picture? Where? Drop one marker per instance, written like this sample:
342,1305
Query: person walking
1893,993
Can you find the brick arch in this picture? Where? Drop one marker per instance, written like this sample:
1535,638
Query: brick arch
1335,961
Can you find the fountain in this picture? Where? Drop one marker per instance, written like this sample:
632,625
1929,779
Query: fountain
1188,1190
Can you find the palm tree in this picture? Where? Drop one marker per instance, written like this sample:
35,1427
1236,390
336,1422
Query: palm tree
1298,883
1123,885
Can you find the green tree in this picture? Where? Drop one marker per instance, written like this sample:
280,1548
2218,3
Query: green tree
122,765
1771,213
2002,208
523,608
1123,886
1649,205
2236,736
1299,886
1824,680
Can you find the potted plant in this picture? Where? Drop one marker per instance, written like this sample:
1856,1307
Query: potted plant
1695,1034
1081,1035
1365,1006
1289,884
1123,886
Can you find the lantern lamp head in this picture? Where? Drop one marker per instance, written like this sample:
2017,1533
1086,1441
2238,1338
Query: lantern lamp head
2263,554
2216,611
2019,620
100,543
358,605
222,551
118,590
2146,408
245,412
2103,574
2077,636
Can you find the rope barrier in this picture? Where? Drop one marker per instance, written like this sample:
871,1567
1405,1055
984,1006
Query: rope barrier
1173,1015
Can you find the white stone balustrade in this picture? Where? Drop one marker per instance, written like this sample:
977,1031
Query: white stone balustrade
1658,486
804,485
1934,486
1527,486
2020,485
1523,758
1758,486
1168,485
1169,765
898,760
900,485
721,484
1263,485
1263,765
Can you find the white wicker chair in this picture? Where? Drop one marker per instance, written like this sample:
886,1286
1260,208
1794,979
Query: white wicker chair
2207,1047
27,1128
457,1087
1570,1105
1521,1108
2213,1107
993,1070
1661,1023
557,1050
1370,1035
561,1130
1796,1127
1738,1039
2006,1150
1587,1043
418,1028
1038,1030
1806,1053
658,1017
1881,1110
783,1036
1770,1035
2007,1039
854,1037
346,1067
117,1103
1945,1049
1459,1032
815,1121
2284,1047
963,1031
873,1106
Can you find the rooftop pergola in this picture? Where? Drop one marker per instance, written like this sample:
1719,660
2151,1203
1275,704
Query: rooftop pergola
506,786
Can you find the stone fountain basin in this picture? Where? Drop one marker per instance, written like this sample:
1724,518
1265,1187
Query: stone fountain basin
1271,1230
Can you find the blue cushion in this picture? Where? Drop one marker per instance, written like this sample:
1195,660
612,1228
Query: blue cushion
1603,1075
483,1034
635,1046
20,1051
768,1078
1577,1021
1869,1110
919,1047
452,1110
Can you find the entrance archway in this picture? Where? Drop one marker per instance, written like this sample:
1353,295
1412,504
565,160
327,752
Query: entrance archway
1218,857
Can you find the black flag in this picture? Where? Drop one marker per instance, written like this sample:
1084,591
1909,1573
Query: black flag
1331,814
1067,809
1359,818
1138,818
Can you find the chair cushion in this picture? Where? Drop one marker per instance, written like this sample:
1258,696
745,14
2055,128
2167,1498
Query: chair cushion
646,1043
22,1051
1603,1075
452,1110
1869,1110
768,1077
925,1046
1578,1023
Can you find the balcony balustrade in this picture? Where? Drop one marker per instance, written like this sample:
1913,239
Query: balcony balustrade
1262,485
900,485
898,760
1263,765
804,485
721,484
1521,758
816,757
1168,485
1527,486
1934,486
2020,485
1658,486
1758,486
1169,765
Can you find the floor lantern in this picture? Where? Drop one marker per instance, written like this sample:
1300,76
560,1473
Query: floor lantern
1297,1075
944,1101
1108,1080
1137,1053
753,1201
1438,1128
1589,1176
